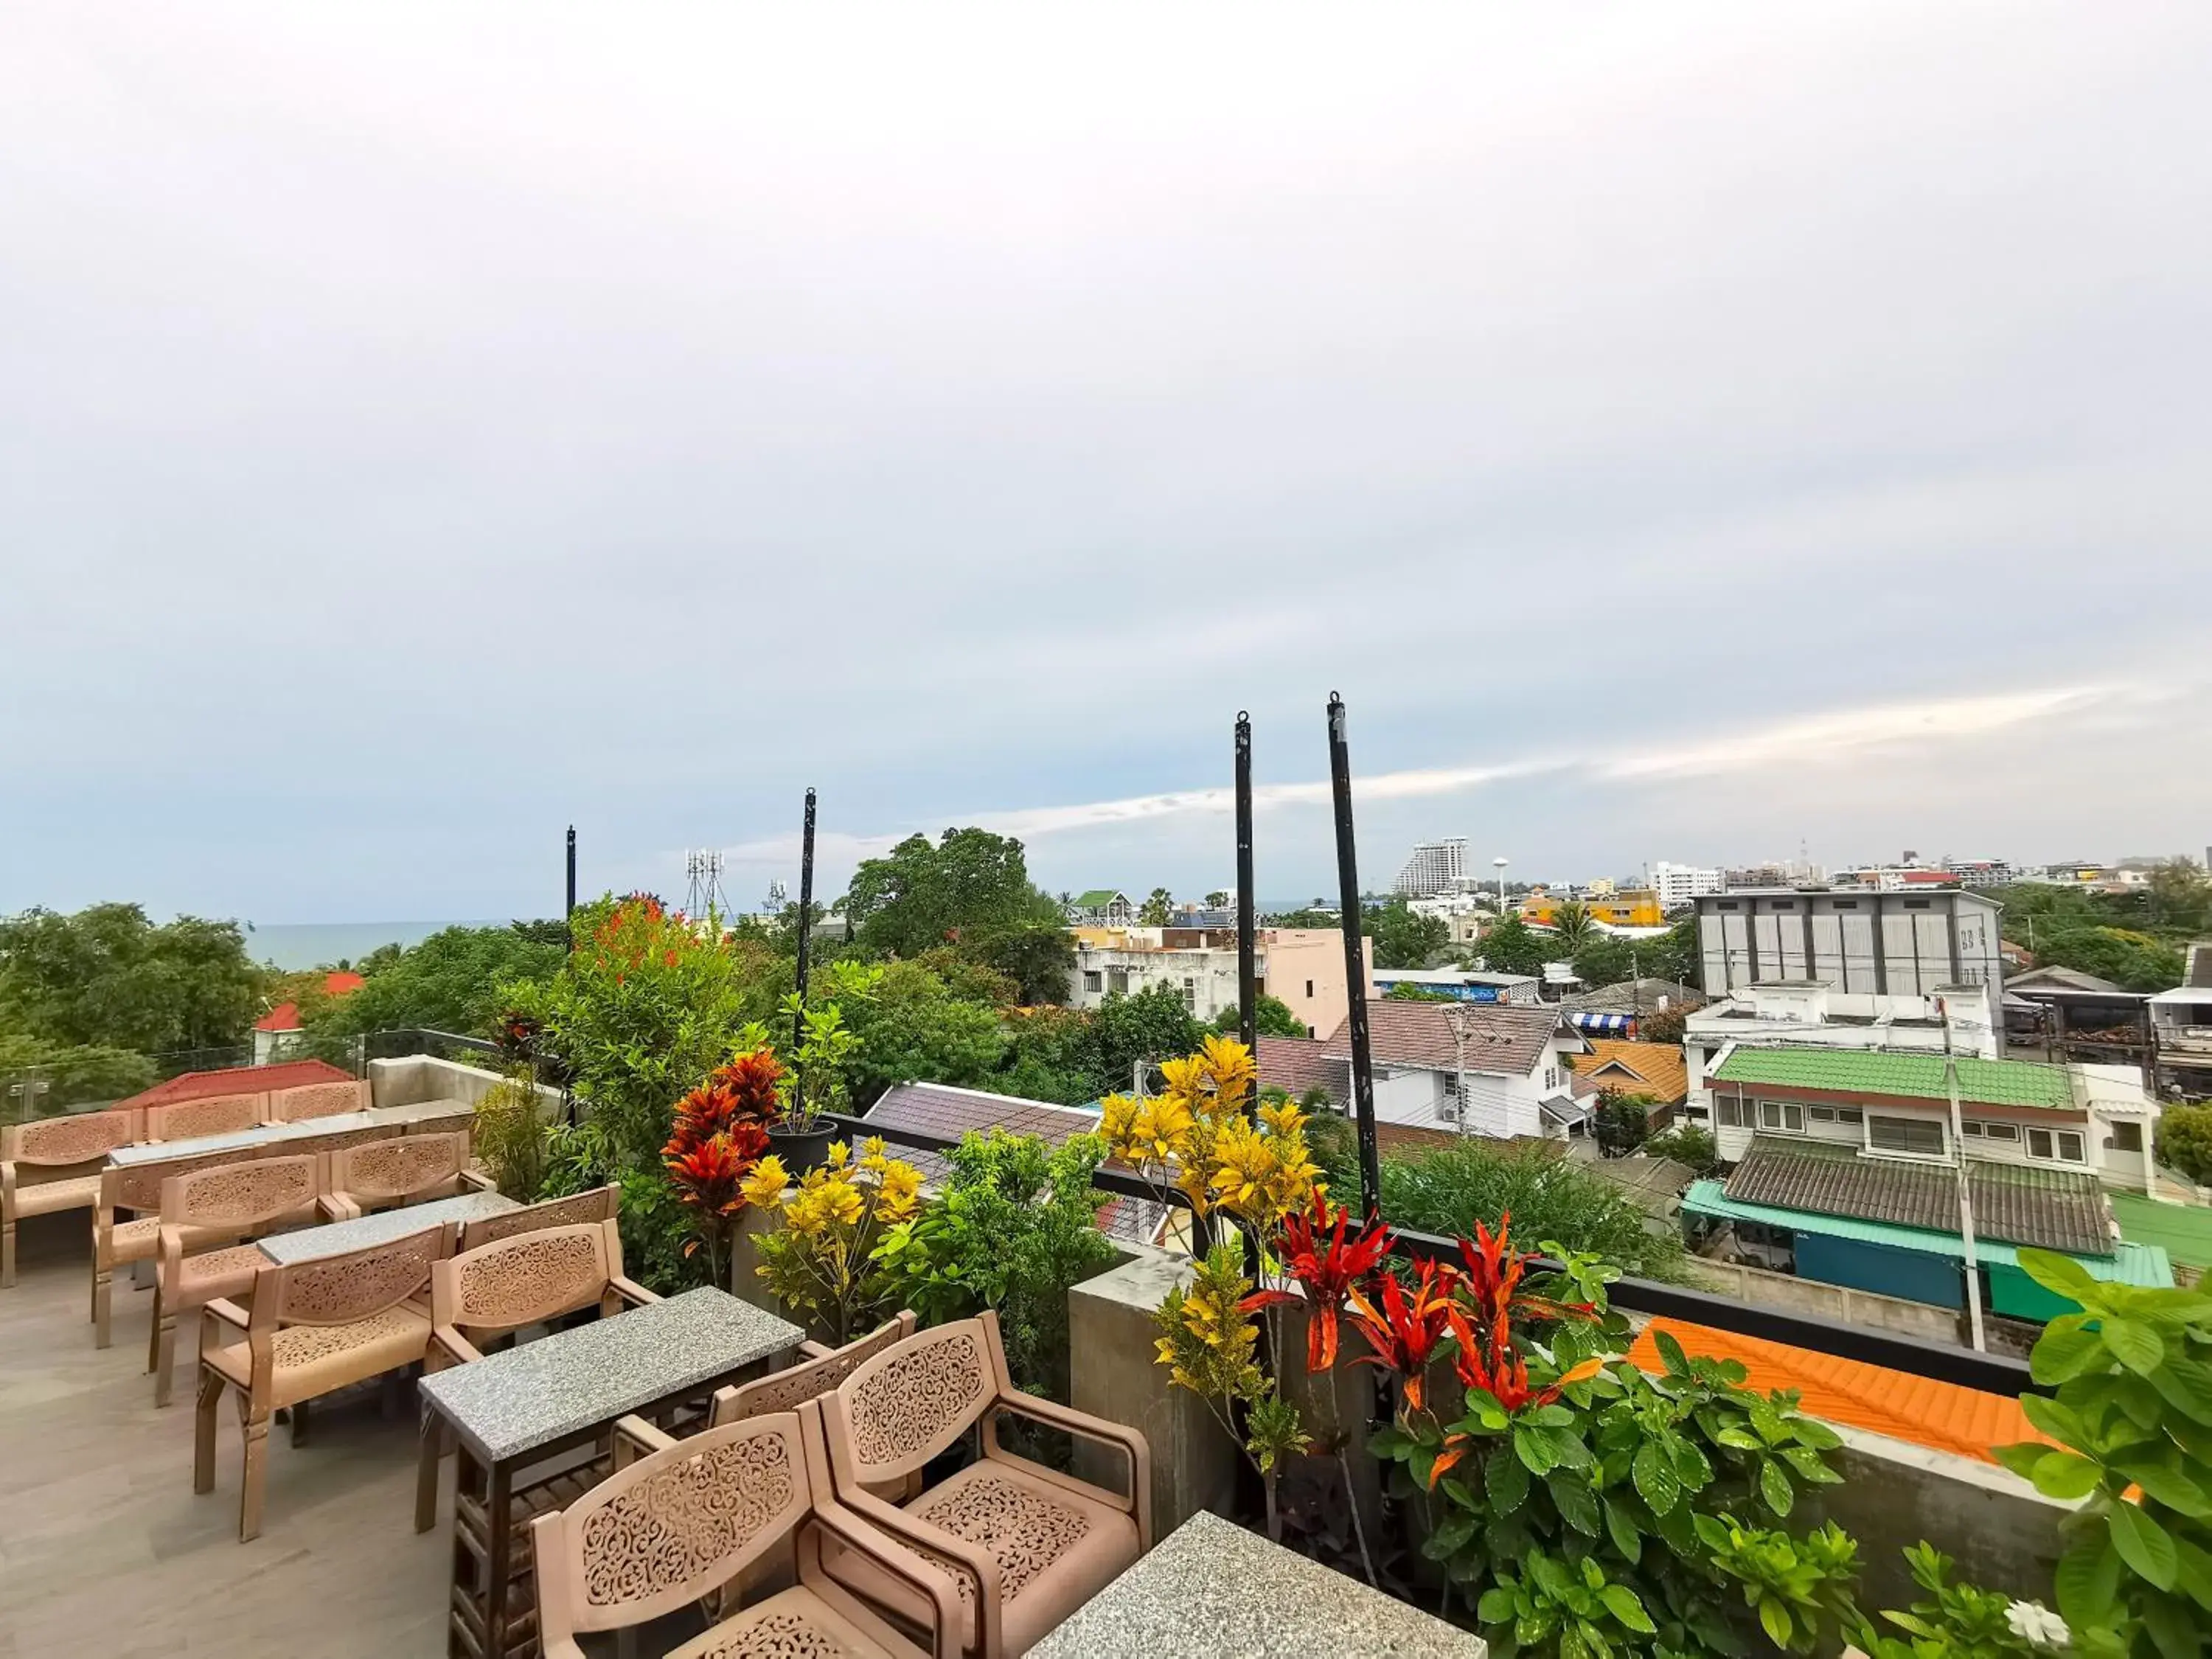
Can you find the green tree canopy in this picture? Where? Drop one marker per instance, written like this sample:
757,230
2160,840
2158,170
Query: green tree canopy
1273,1018
448,982
1513,946
923,894
1158,909
1403,937
2133,961
910,1027
106,976
1037,956
1152,1025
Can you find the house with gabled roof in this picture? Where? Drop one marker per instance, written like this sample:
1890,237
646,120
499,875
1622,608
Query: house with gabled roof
1489,1069
1102,907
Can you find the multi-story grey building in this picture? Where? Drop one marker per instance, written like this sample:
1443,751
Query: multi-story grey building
1863,943
1433,867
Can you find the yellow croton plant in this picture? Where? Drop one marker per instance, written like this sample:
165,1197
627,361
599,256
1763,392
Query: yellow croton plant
1198,1136
819,1262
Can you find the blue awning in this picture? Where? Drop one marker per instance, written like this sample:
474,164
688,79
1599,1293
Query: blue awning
1594,1021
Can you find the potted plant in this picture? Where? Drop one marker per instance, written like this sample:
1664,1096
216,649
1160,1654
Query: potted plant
815,1085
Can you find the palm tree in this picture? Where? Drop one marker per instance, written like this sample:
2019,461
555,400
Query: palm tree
1572,924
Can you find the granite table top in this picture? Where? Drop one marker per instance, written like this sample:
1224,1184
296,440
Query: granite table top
537,1393
261,1135
1212,1588
308,1243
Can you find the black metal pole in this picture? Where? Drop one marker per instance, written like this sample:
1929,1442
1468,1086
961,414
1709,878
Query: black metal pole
805,907
569,914
1355,962
1248,999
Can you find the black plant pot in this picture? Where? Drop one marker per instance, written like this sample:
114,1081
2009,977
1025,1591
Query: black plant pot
801,1149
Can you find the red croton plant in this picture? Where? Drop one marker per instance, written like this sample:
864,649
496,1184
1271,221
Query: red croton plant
719,1135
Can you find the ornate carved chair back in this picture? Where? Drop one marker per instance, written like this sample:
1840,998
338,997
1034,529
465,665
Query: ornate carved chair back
512,1282
599,1204
901,1408
212,1114
381,1173
317,1100
63,1142
669,1528
787,1390
344,1290
240,1199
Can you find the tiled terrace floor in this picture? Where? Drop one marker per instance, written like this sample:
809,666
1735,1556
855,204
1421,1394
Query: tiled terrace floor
103,1547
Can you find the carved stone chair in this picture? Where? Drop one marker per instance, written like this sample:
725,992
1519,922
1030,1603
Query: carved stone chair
316,1327
666,1530
1023,1546
384,1175
502,1286
599,1204
317,1100
211,1115
119,1243
230,1201
54,1166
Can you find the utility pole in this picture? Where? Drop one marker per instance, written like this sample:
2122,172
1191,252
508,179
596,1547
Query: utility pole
1965,1196
1248,998
1355,963
569,914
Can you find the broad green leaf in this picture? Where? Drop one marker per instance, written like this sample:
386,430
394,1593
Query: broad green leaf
2136,1346
2087,1582
1495,1607
2187,1386
1449,1537
1694,1468
2168,1487
2143,1545
1622,1603
1387,1442
1776,1620
2065,1474
1620,1527
1671,1354
2172,1629
2059,1275
1505,1478
1654,1477
2021,1456
2060,1356
1774,1486
2193,1572
1577,1503
1534,1447
1741,1439
2057,1420
1817,1435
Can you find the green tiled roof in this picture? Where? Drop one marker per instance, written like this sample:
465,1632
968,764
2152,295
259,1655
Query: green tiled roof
2129,1264
1096,899
1860,1071
2182,1231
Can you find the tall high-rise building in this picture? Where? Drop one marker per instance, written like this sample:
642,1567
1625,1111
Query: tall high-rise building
1433,867
1677,884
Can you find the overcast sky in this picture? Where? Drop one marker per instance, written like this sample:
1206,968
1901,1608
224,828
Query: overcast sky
1679,432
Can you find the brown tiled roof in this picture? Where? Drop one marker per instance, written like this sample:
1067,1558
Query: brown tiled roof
1500,1037
239,1080
2051,1209
939,1108
1295,1065
1657,1067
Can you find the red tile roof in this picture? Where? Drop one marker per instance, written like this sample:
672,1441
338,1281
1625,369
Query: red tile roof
1500,1038
285,1016
1296,1065
939,1108
239,1080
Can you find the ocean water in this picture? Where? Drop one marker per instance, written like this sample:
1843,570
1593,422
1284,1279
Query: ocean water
292,946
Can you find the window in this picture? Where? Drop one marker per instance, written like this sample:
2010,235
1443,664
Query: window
1726,904
2071,1148
1550,1077
1845,904
1916,1135
1785,1114
1851,1114
1916,904
1785,904
1449,1103
1308,987
1972,1129
1822,1114
1731,1114
2125,1137
2001,1131
1092,979
1190,994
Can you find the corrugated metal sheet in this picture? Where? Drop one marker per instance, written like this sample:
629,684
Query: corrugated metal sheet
2183,1231
1919,1076
2129,1264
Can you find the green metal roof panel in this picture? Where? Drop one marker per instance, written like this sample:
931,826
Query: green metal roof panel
2130,1263
1096,899
2183,1231
1862,1072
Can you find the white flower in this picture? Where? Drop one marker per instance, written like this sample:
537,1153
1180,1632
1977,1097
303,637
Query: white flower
2034,1622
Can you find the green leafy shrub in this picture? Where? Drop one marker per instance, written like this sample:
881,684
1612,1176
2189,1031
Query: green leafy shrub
511,1137
1015,1226
2132,1415
1686,1143
2185,1141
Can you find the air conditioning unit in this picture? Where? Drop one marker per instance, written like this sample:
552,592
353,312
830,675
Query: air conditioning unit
1448,1111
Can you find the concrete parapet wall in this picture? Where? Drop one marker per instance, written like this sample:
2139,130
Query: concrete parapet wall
1838,1304
412,1079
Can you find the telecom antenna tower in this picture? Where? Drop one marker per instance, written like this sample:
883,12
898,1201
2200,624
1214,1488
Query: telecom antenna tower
704,869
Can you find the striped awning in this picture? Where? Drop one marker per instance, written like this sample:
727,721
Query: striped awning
1587,1021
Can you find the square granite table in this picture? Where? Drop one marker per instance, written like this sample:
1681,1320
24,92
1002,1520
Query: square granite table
308,1243
537,1400
1212,1588
276,1136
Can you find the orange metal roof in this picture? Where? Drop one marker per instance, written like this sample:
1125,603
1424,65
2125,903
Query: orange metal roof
285,1016
1940,1415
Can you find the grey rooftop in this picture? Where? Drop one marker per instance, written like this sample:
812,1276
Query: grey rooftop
1212,1588
537,1393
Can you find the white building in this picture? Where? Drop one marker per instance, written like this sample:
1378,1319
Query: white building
1433,867
2092,1120
2181,1028
1678,884
1484,1069
1302,966
1867,943
1808,1014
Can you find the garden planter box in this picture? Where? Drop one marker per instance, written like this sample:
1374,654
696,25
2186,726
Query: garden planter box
801,1149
